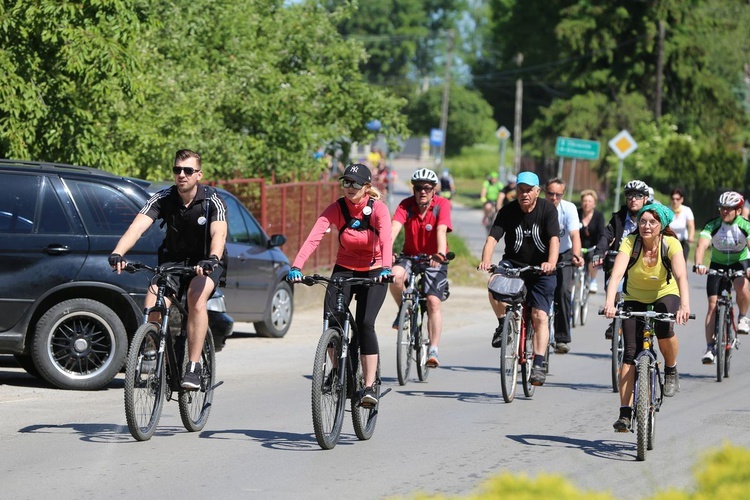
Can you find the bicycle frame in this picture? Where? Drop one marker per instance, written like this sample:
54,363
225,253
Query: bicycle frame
725,326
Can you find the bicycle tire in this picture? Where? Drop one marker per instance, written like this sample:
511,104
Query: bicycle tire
585,302
575,317
365,419
720,325
145,382
195,406
528,389
642,407
618,350
509,358
731,336
657,397
404,342
328,399
422,343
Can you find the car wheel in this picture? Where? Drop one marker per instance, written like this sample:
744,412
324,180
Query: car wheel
279,315
79,344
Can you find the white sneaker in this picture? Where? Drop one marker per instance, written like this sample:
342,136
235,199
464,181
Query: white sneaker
708,358
593,286
743,325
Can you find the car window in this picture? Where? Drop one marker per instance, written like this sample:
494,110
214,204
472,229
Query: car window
18,205
235,225
104,210
255,234
52,218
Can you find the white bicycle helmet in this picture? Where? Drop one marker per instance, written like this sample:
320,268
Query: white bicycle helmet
731,199
424,175
637,187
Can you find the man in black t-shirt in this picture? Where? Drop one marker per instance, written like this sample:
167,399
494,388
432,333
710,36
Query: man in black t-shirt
532,238
196,220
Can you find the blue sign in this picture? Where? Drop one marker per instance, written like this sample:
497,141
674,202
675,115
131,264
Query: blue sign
436,137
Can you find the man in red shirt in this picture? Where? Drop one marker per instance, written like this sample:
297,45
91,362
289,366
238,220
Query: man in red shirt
426,219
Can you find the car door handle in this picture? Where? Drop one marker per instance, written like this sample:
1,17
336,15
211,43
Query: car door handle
57,249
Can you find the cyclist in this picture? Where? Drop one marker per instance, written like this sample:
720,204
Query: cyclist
196,219
365,244
570,251
532,237
490,191
622,223
684,221
426,219
648,283
592,227
447,186
729,234
508,193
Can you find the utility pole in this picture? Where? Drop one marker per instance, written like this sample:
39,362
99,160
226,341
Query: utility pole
659,70
517,125
446,95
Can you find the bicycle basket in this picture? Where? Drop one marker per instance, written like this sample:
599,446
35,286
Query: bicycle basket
507,289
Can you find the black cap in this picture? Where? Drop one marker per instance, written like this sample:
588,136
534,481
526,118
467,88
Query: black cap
358,173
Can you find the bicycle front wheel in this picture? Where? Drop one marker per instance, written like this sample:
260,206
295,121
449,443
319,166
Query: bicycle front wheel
195,406
364,419
422,343
404,342
145,382
328,390
528,389
584,301
642,406
730,343
509,358
618,349
577,300
720,339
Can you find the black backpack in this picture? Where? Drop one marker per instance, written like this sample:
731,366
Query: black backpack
362,224
637,247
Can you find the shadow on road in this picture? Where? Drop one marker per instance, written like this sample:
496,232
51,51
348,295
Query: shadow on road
96,433
276,440
603,448
464,397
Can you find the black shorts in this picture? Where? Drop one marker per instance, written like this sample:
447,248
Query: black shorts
435,278
713,281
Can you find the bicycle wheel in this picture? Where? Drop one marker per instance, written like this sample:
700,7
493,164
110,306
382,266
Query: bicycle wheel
364,419
584,301
720,339
528,389
656,388
145,382
618,349
642,406
422,343
195,406
509,357
575,317
328,390
731,343
404,342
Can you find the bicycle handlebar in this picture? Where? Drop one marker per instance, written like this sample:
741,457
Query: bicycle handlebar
133,267
514,272
340,282
727,273
424,258
659,316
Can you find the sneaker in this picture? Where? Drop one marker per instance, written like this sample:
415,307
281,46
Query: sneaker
497,337
395,321
192,378
622,424
369,398
743,325
608,332
432,358
671,384
708,358
562,348
593,286
538,377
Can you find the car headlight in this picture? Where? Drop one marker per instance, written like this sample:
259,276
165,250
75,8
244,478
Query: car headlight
216,303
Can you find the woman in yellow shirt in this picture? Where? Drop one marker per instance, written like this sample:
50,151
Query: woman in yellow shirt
647,284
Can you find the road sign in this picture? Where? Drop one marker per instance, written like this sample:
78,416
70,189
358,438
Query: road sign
503,134
623,144
577,148
436,137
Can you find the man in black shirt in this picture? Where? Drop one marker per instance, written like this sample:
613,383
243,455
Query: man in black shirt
196,220
532,238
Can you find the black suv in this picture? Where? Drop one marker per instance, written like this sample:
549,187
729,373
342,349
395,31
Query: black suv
64,314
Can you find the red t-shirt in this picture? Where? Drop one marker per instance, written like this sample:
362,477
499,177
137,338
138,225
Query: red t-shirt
358,250
420,232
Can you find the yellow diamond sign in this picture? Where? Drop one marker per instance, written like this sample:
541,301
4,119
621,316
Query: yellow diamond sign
623,144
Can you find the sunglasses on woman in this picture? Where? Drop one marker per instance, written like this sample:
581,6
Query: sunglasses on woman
346,183
187,170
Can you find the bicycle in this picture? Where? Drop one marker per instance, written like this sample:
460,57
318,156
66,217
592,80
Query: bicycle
725,327
648,389
580,295
412,343
489,219
157,359
337,374
517,346
617,347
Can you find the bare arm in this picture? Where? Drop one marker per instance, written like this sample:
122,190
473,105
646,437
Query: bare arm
700,251
618,271
575,237
489,248
679,269
140,224
552,254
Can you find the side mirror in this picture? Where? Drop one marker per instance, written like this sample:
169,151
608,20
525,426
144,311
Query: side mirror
276,240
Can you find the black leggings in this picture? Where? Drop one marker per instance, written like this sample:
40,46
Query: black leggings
632,329
369,301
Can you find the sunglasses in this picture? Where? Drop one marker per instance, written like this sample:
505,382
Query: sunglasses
424,187
635,196
550,194
346,183
187,170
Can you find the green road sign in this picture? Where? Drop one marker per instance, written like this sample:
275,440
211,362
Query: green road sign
577,148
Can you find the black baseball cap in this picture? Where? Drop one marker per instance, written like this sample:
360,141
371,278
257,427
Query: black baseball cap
358,173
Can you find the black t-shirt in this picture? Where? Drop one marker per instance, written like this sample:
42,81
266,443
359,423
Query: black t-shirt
188,237
590,234
527,235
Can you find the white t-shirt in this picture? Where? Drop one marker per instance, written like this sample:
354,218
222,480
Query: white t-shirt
679,223
567,216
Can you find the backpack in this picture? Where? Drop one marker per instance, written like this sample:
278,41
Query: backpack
411,213
362,224
637,246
